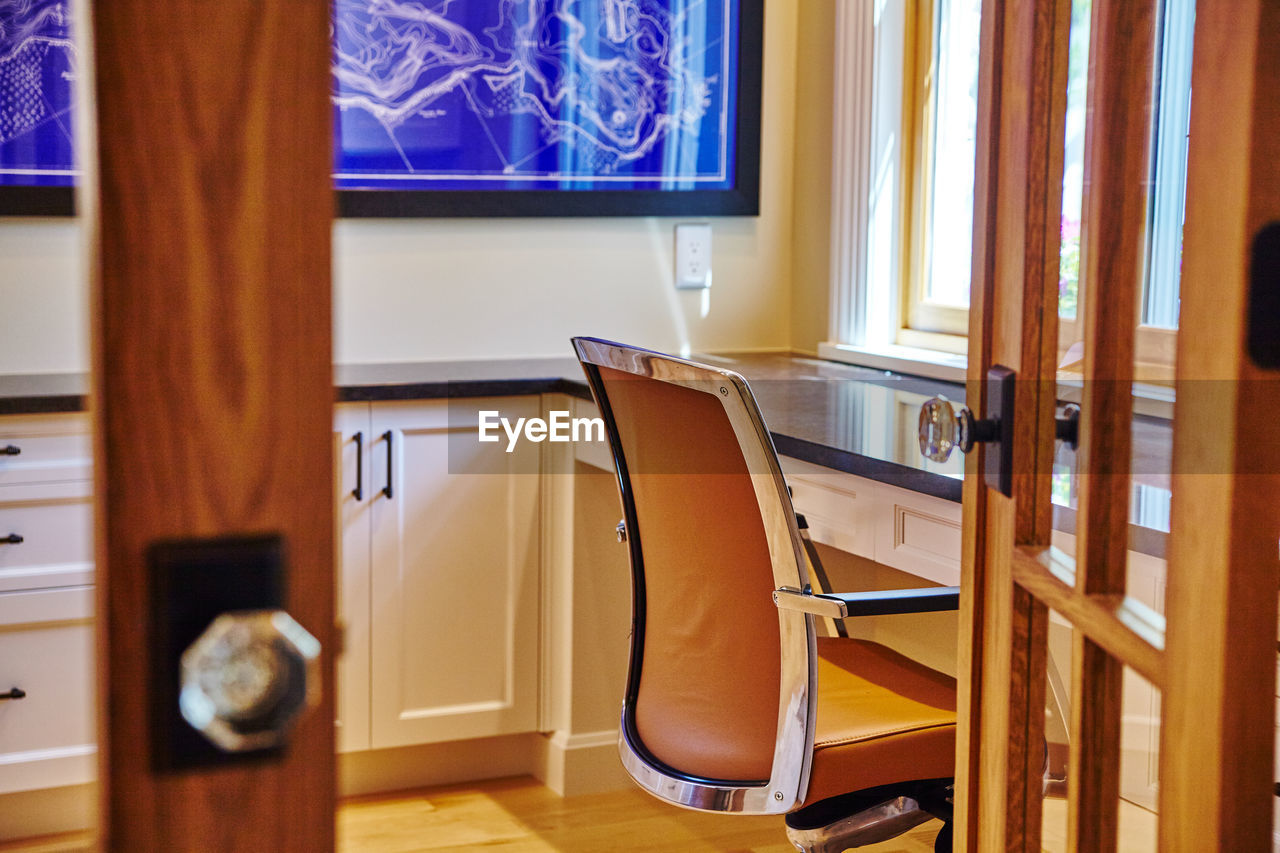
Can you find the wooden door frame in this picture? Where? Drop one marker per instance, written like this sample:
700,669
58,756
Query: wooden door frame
1013,322
210,204
1216,749
1218,672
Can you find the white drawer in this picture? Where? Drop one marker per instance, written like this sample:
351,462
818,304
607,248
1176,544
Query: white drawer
838,506
57,542
50,449
47,737
919,534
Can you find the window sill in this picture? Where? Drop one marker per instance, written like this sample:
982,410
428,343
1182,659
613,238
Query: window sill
1152,399
913,361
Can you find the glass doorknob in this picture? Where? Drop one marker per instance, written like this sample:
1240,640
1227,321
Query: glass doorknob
942,429
246,679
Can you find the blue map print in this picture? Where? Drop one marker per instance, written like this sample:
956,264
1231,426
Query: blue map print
459,94
38,64
534,94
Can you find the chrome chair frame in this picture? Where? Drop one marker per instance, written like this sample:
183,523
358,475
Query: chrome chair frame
880,813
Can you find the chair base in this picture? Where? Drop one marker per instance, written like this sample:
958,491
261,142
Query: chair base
868,817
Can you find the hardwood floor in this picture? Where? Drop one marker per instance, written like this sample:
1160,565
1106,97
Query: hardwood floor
521,816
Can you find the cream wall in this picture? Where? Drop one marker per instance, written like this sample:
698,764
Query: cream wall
429,289
811,209
43,326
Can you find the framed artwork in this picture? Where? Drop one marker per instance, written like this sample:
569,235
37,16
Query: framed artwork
472,107
38,68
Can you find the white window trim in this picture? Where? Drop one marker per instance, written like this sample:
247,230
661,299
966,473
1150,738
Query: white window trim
855,315
851,168
1170,146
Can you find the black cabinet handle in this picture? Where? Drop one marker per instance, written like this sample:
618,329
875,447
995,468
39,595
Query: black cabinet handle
358,491
11,539
14,693
10,450
386,490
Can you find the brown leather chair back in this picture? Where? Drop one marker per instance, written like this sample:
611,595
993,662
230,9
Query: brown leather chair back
707,699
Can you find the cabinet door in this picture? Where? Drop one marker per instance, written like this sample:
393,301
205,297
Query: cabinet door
455,574
46,654
351,437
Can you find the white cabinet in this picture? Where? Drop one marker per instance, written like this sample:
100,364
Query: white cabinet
47,727
913,532
439,577
351,440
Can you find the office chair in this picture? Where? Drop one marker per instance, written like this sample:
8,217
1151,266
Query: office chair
733,703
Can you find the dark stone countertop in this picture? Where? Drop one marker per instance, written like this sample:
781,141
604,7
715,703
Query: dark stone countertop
847,418
851,419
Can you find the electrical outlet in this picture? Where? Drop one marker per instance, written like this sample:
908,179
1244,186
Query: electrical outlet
693,256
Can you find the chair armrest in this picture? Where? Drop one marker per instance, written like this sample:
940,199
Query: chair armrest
842,605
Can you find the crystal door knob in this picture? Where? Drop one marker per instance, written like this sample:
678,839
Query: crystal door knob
246,679
942,429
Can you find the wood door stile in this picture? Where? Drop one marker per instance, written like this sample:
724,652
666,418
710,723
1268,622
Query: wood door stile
1212,654
1219,701
1116,163
212,387
1013,322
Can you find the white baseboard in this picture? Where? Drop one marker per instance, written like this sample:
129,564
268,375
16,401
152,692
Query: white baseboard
583,763
378,770
569,764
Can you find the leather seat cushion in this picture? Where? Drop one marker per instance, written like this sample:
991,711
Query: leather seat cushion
882,718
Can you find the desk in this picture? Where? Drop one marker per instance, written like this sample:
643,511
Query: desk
840,418
846,436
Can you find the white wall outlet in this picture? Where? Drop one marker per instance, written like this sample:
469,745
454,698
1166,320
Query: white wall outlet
693,256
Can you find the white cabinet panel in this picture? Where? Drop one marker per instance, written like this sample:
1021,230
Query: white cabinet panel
46,602
47,737
839,507
438,580
455,575
56,547
51,448
352,501
918,534
906,530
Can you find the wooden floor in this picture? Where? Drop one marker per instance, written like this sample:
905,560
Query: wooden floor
522,816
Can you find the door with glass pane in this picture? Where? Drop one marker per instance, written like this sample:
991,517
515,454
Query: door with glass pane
1134,576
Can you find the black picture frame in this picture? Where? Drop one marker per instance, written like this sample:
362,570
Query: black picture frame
742,200
37,201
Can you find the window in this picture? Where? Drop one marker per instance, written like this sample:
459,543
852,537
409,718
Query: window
906,115
1156,338
936,284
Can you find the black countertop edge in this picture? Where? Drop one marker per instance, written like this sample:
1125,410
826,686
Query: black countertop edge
881,470
43,405
457,389
48,404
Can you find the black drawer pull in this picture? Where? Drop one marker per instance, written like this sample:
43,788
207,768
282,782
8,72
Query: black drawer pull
358,491
15,693
386,490
10,450
11,539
